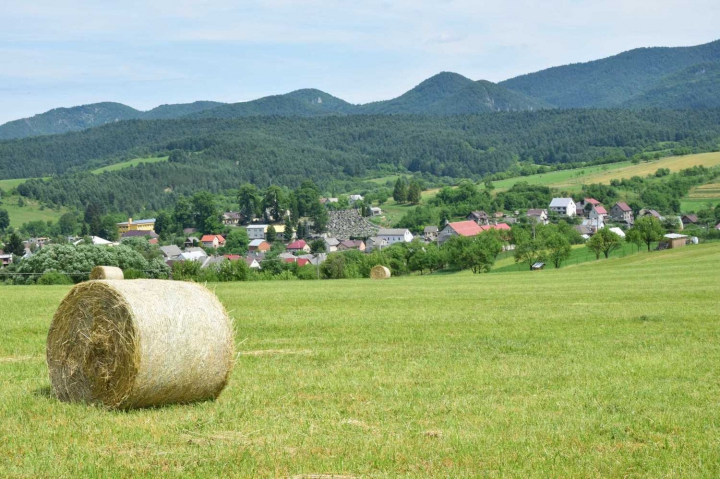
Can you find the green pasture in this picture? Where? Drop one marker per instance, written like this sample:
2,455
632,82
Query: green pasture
31,211
129,163
604,369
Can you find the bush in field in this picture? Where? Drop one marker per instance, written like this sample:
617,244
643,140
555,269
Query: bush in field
54,278
132,273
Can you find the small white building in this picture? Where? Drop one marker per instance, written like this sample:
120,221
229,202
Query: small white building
395,235
352,199
618,232
376,211
563,206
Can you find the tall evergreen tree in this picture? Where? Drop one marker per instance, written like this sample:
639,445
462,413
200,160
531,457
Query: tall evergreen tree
14,245
400,192
414,193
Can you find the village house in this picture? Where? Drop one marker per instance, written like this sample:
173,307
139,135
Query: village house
583,206
256,231
212,241
499,215
331,244
252,262
717,227
191,242
479,217
430,233
260,231
299,246
5,259
538,215
324,201
375,211
459,228
375,242
352,244
259,246
352,199
192,254
563,206
142,225
170,252
653,213
689,220
140,234
231,218
596,215
621,212
395,235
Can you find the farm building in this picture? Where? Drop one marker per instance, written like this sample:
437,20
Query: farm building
539,215
231,218
675,240
689,219
375,211
351,244
331,244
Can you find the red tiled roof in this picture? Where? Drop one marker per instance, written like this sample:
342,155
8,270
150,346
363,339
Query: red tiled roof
592,201
302,261
600,210
233,257
299,244
466,228
207,238
499,227
290,260
623,206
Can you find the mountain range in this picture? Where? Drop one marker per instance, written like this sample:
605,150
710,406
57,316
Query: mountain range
666,78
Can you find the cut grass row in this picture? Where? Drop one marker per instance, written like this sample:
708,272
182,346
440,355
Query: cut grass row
607,369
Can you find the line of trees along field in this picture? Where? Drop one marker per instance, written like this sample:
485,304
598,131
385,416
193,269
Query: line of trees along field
218,155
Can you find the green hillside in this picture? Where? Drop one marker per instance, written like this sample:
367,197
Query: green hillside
62,120
453,94
694,87
611,81
408,377
222,154
168,112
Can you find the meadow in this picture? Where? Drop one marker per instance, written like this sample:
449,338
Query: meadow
604,369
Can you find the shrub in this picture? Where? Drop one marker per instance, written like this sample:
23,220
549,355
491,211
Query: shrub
54,278
132,273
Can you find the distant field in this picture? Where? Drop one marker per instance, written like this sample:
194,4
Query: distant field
129,163
572,180
7,185
30,212
605,369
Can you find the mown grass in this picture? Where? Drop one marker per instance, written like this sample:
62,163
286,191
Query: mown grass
31,211
129,163
607,369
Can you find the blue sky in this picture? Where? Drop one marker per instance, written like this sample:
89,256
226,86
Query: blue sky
146,53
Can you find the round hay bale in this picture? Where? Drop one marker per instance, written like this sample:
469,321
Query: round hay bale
106,272
129,344
380,272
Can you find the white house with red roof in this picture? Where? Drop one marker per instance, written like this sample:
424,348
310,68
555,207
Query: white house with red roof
299,246
598,213
212,241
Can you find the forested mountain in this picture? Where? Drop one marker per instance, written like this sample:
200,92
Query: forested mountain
62,120
169,112
218,155
302,103
612,81
452,94
694,87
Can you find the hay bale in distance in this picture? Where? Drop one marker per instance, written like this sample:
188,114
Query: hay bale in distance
380,272
128,344
106,272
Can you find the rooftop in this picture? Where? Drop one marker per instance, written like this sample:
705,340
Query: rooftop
561,202
465,228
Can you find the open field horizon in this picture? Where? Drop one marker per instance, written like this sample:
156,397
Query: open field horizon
604,369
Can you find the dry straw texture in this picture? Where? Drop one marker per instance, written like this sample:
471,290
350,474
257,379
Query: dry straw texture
106,272
128,344
380,272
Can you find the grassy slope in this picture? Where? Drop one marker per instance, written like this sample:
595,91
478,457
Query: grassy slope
129,163
607,369
30,212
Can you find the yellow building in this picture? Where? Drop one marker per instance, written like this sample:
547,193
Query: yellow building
142,225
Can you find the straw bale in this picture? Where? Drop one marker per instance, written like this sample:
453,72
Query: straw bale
380,272
128,344
106,272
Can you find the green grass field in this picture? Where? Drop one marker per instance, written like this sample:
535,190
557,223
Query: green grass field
605,369
128,164
32,211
